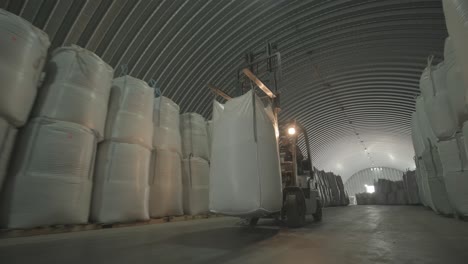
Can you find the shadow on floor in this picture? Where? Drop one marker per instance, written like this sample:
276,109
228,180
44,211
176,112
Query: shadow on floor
228,238
310,224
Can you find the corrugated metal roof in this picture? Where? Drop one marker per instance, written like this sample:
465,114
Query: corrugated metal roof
369,54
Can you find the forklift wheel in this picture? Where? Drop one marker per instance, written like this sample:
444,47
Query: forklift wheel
318,214
253,221
295,211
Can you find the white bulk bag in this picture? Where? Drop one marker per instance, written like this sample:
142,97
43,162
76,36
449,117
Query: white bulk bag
442,118
427,134
418,143
454,83
50,177
456,17
167,138
7,140
194,136
22,55
165,113
209,131
465,134
424,182
121,189
76,88
130,116
436,181
245,175
452,154
456,183
165,184
195,181
166,132
455,163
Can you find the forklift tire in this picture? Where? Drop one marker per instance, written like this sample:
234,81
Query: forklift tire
253,221
295,211
318,213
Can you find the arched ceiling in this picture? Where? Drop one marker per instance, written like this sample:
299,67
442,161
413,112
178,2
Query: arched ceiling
350,68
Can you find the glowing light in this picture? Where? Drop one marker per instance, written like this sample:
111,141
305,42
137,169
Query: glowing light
391,157
339,166
369,188
291,131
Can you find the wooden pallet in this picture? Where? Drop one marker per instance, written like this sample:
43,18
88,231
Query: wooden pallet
57,229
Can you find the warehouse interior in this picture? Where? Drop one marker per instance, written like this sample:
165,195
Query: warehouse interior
233,131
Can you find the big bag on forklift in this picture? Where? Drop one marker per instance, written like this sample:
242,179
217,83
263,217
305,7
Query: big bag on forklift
245,175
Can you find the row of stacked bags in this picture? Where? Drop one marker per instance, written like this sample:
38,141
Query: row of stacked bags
78,145
439,124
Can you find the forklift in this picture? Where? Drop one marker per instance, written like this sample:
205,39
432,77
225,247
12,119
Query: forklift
262,70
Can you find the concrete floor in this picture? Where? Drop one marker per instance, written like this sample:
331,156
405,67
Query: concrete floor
355,234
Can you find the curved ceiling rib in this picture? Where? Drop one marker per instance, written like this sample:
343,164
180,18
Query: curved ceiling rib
350,68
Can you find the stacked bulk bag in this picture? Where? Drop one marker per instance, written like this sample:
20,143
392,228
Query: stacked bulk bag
130,112
121,187
7,139
166,184
52,168
166,191
245,174
50,176
195,183
431,166
411,187
22,57
76,89
456,17
455,165
454,83
196,154
122,172
194,136
166,125
209,130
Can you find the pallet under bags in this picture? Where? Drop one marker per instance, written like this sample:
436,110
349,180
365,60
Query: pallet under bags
76,88
22,56
194,136
120,192
245,174
7,140
130,116
455,164
165,184
50,176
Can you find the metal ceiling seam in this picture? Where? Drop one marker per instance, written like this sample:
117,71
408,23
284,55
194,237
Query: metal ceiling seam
124,57
180,71
168,45
106,46
197,46
143,72
101,28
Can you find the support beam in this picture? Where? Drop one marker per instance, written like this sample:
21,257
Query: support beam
219,92
258,82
